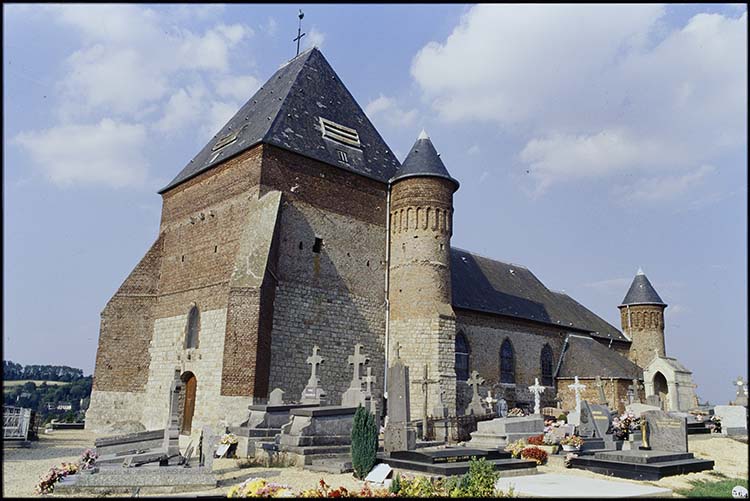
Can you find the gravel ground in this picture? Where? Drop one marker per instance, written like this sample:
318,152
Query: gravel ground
23,467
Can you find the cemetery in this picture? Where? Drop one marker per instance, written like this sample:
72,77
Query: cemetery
539,452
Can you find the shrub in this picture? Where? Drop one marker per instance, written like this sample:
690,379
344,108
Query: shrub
534,453
395,486
562,417
259,487
482,478
364,442
536,440
419,487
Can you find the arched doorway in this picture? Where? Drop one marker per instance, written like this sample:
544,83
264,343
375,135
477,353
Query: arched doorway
661,389
187,402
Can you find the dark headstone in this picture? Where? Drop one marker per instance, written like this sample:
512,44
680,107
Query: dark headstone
594,421
665,432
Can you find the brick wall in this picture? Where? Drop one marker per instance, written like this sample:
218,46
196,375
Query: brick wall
615,390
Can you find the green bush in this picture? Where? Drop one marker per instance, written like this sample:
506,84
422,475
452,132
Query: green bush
562,417
364,442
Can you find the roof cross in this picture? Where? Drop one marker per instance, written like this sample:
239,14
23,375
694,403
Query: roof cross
299,30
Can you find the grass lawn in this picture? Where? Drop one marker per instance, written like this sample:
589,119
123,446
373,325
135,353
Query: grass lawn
719,488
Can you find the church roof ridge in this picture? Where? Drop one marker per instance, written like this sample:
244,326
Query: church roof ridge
305,108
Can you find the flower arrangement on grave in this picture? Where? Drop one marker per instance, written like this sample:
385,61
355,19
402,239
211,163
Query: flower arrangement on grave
714,424
516,447
569,457
534,453
47,482
535,440
625,424
573,441
87,459
551,438
516,412
259,487
229,439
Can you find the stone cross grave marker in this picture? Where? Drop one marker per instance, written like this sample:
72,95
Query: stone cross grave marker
537,390
440,410
577,388
475,406
600,387
633,392
313,393
276,397
354,395
369,379
424,383
398,435
490,401
741,391
665,432
171,442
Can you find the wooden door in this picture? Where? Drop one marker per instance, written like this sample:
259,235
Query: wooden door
187,416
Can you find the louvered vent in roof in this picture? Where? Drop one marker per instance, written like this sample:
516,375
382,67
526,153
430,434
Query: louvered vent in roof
339,133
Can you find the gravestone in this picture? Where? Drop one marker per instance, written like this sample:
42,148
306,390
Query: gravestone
502,407
562,431
276,397
398,435
171,443
733,419
475,406
653,400
354,395
210,442
741,398
537,390
665,432
600,388
499,432
639,409
313,393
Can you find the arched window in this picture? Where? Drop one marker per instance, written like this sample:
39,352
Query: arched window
462,357
546,365
507,363
193,327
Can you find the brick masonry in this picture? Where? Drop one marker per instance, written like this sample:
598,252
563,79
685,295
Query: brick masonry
644,325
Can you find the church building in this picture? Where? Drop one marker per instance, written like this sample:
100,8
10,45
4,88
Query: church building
296,226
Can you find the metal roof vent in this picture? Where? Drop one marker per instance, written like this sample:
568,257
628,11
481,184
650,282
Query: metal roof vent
339,133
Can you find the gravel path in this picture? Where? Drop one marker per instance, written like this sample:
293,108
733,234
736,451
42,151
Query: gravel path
23,467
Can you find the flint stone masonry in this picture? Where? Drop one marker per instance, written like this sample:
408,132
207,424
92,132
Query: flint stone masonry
666,433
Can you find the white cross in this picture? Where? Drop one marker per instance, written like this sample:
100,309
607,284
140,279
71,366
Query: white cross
314,360
578,388
537,390
475,380
490,401
740,383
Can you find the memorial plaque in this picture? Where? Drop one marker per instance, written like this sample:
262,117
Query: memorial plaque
594,420
665,432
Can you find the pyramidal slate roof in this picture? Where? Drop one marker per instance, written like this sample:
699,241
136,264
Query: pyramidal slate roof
286,111
586,358
423,160
491,286
641,292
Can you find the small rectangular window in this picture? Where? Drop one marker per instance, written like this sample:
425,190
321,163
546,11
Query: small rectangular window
343,156
317,245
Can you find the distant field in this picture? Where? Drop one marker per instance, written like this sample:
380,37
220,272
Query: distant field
8,384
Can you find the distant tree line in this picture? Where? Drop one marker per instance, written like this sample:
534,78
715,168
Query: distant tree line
40,398
14,372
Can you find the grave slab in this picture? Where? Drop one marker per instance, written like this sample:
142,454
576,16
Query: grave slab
556,485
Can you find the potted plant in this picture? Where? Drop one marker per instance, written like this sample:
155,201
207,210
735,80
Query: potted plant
571,443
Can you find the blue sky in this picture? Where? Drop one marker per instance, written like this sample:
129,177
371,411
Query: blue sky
588,140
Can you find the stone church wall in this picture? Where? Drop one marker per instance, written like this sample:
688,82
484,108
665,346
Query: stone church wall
616,391
486,334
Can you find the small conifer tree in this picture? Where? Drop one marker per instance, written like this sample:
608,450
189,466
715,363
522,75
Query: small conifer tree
364,442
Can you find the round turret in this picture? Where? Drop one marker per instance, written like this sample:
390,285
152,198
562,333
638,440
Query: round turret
421,213
642,319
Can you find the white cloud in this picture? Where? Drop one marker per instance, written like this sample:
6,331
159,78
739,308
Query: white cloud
108,153
611,285
270,27
594,90
659,189
474,150
314,38
388,110
239,87
184,108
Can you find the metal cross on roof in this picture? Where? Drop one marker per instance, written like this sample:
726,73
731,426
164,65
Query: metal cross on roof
299,30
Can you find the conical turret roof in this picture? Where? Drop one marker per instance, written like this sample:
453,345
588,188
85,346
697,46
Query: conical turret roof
423,160
641,292
304,108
